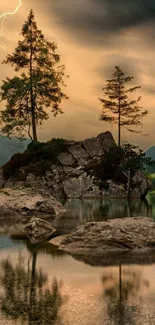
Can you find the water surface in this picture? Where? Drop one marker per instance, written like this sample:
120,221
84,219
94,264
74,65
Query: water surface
86,210
40,285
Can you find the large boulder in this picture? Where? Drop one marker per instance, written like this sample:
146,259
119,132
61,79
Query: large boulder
24,203
117,235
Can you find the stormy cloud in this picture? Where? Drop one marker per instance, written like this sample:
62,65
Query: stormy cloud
92,20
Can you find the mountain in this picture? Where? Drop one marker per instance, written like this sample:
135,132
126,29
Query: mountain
9,147
151,154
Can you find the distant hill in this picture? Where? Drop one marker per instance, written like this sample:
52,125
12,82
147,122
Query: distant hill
151,153
9,147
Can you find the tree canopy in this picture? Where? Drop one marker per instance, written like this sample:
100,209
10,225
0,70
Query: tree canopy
118,107
39,86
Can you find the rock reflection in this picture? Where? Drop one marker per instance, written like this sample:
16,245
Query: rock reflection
26,295
120,295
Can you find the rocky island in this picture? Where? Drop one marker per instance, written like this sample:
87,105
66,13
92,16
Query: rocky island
72,169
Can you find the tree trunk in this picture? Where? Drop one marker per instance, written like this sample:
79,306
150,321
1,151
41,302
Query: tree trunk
129,183
119,130
34,131
33,119
119,116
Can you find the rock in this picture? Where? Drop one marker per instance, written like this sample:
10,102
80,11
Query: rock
107,141
79,154
93,146
27,202
77,187
115,190
68,170
57,240
38,230
117,235
77,171
9,184
66,159
92,192
140,185
32,180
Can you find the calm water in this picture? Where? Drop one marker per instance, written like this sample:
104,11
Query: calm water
40,285
81,211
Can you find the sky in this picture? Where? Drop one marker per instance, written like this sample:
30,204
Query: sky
93,36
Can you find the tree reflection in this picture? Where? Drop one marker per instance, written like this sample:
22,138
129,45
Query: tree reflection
119,293
25,296
114,208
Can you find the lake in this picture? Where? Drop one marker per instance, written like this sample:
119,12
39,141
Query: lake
40,285
81,211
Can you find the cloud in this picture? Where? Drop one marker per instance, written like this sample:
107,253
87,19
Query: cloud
130,65
93,20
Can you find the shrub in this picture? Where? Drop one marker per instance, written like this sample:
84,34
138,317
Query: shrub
123,159
37,158
9,169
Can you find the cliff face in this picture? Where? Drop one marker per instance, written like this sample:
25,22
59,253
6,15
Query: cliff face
72,171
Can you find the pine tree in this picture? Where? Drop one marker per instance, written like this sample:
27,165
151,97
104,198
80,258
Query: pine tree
117,107
37,88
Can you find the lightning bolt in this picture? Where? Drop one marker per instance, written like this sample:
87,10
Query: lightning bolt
4,16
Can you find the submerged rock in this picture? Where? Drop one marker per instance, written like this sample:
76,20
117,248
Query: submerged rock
20,203
117,235
38,230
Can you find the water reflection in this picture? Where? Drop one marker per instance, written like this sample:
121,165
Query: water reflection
26,294
81,211
119,294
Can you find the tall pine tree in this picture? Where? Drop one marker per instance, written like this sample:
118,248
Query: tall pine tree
117,107
38,87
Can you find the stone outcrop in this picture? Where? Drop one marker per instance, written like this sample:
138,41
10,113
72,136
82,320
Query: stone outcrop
77,187
74,173
25,203
114,236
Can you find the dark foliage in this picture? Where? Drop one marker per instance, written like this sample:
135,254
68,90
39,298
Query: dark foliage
38,88
37,158
120,160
